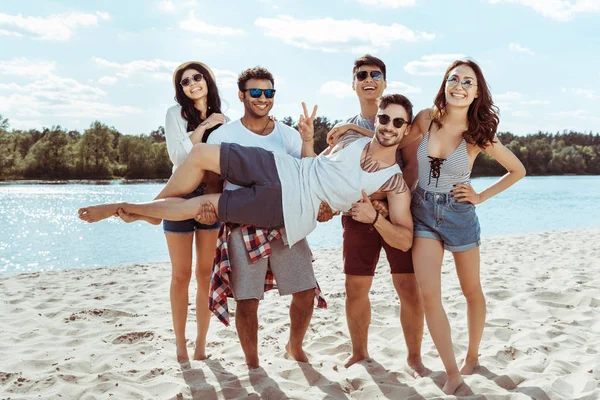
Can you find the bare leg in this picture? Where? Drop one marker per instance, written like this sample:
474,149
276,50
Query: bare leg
188,175
174,209
412,320
246,323
205,253
358,315
180,252
301,310
467,268
427,258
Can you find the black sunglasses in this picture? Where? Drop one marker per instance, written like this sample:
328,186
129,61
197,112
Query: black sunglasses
188,81
384,119
256,93
362,75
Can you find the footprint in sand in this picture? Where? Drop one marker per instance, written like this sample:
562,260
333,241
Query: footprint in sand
134,337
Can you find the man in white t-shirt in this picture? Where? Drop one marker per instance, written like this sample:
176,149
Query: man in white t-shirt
291,266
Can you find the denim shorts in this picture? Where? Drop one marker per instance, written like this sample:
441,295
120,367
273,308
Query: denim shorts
189,225
438,216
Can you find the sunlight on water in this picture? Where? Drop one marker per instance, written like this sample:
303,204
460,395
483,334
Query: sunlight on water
40,230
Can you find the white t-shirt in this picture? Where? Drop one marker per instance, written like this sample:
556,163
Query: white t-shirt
283,140
177,137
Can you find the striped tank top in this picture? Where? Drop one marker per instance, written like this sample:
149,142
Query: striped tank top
440,174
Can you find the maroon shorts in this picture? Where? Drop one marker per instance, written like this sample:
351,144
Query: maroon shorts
362,246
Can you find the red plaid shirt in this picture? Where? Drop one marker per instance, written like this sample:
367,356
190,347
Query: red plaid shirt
257,243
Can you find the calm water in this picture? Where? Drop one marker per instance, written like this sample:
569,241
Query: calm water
39,228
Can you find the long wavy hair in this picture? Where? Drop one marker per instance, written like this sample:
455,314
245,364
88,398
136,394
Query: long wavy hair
482,115
188,111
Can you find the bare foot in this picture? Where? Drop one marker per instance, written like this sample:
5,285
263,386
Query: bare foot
98,213
354,358
416,369
252,366
182,353
452,384
297,354
469,366
200,352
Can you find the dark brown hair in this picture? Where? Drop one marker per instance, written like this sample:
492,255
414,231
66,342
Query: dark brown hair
368,59
188,111
254,73
482,115
384,101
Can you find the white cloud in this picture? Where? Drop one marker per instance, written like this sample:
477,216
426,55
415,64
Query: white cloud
330,35
337,89
517,48
50,95
389,3
166,6
587,93
23,67
435,64
521,113
192,24
402,88
107,80
25,124
54,27
226,79
578,114
104,15
560,10
534,102
508,96
148,67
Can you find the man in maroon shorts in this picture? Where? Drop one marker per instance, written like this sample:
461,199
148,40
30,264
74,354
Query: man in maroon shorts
363,243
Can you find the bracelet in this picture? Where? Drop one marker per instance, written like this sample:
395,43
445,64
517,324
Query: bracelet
375,220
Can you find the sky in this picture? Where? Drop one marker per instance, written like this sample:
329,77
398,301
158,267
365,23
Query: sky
69,63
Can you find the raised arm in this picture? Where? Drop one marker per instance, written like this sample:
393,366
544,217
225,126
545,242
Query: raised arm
334,135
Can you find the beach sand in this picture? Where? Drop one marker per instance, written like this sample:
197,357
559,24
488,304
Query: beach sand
106,333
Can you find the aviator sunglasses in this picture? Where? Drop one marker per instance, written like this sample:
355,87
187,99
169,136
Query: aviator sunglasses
384,119
256,93
188,81
465,83
362,75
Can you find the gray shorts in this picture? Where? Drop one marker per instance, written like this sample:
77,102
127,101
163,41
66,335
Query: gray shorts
258,201
291,266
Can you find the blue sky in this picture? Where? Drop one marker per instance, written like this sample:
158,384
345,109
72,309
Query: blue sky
69,63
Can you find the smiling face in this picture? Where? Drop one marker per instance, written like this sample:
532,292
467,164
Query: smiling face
456,94
260,107
369,89
388,135
195,90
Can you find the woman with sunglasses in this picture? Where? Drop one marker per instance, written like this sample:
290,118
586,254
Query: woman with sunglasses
461,124
190,121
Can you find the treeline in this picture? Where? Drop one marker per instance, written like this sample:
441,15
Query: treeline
102,152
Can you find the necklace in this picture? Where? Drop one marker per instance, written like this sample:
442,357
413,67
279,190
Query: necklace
258,133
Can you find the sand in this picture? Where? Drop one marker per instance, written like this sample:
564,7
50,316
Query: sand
106,333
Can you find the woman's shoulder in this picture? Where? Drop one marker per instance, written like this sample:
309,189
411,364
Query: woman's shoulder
174,109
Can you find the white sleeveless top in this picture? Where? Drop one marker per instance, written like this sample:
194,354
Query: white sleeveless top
336,179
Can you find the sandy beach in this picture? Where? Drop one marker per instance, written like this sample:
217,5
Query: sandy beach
106,333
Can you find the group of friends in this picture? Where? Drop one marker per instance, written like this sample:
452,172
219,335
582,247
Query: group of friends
253,189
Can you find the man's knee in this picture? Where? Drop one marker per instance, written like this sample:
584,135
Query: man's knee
247,307
357,287
304,297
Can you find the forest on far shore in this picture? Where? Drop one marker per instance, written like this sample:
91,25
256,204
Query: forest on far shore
102,152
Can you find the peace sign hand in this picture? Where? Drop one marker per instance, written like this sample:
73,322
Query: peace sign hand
306,124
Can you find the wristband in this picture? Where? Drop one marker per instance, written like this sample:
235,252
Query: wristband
375,220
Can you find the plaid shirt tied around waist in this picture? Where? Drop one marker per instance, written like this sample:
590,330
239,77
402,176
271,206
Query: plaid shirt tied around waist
257,242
